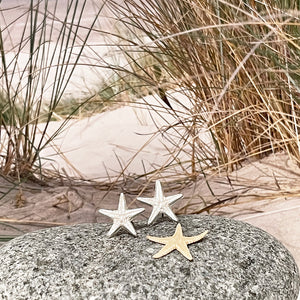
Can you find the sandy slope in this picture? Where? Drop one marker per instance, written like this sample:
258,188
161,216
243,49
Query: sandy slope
105,144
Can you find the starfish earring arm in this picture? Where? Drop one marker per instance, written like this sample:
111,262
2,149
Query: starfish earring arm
108,213
161,240
154,215
114,229
194,239
148,201
164,251
170,213
184,250
174,198
160,203
128,225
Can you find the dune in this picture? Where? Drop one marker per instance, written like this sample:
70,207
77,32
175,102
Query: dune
127,138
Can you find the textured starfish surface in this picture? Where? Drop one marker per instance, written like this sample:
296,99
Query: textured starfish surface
121,217
176,241
160,203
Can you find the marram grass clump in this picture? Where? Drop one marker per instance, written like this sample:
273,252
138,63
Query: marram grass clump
237,62
39,51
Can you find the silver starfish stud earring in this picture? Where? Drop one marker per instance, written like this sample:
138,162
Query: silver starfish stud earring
121,217
160,203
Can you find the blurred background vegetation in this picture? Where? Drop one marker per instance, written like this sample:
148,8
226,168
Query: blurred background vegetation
236,61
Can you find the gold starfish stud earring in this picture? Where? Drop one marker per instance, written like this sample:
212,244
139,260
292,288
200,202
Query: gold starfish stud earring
176,241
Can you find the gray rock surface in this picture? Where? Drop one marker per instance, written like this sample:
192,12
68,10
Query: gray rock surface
234,261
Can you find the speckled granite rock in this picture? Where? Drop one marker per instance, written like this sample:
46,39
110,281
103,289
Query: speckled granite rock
234,261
